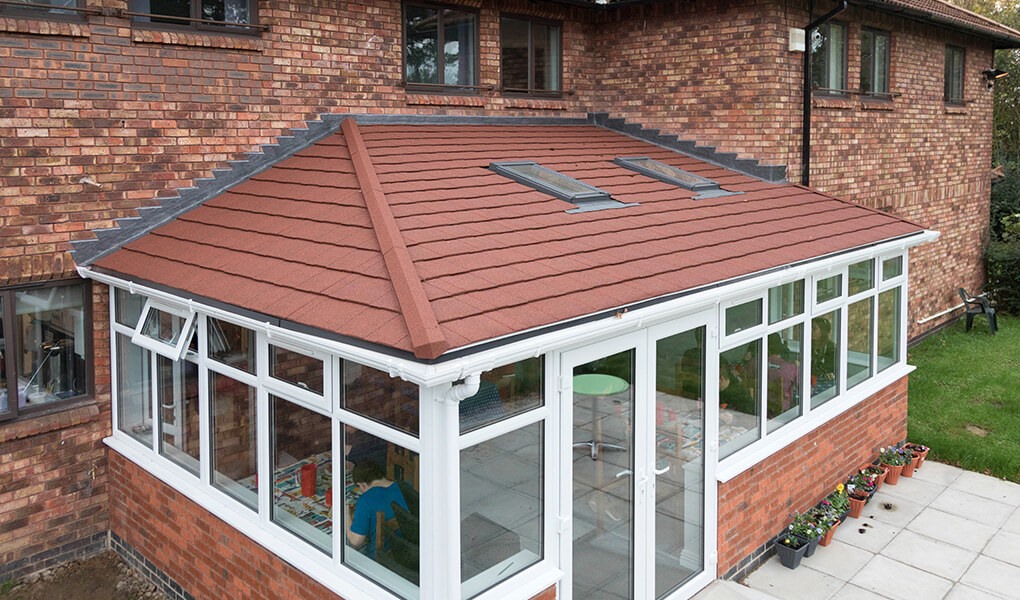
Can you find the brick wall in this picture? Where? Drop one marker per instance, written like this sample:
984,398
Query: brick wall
755,505
53,484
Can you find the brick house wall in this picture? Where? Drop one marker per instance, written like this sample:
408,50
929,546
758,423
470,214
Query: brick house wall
144,112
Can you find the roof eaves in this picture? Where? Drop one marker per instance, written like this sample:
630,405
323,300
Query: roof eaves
427,337
1004,36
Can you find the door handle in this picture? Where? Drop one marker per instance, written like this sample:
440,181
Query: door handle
624,473
663,470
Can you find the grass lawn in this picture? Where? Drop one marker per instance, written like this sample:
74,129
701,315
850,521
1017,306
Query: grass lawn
965,397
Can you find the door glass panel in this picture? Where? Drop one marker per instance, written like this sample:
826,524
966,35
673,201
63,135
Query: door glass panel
603,463
679,459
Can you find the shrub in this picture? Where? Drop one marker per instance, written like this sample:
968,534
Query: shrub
1002,259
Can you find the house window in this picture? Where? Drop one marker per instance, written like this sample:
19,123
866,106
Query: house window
954,75
43,8
888,328
740,396
828,59
503,392
179,412
824,358
44,347
134,390
235,15
440,46
530,51
233,438
874,62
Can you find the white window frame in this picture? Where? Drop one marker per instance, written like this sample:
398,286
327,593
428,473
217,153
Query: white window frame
293,392
174,352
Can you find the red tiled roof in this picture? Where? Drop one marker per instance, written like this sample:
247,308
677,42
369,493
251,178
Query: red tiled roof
950,15
399,235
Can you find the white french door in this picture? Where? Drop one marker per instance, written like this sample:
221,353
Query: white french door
640,496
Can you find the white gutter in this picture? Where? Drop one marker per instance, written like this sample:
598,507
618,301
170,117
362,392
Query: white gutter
565,335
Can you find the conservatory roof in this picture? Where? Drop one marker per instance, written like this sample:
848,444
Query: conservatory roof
400,236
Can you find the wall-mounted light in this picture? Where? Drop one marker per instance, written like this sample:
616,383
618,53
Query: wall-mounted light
992,74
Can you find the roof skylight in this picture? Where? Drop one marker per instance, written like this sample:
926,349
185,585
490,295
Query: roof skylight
557,184
669,174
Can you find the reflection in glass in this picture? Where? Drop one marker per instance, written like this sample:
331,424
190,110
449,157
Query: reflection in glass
381,508
232,415
892,267
231,344
134,392
859,336
862,276
129,307
888,328
824,358
743,316
784,376
739,397
828,289
786,301
4,406
306,372
378,396
603,525
301,464
500,507
51,364
504,392
179,412
679,460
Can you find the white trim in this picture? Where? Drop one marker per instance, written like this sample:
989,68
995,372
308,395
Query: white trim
173,352
503,427
752,455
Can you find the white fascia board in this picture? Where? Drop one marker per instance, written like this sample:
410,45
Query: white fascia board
564,335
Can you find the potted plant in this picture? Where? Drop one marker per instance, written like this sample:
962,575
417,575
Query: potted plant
827,519
892,458
790,549
911,461
920,451
878,472
862,483
805,527
839,501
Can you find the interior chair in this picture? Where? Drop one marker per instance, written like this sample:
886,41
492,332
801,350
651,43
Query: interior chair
978,305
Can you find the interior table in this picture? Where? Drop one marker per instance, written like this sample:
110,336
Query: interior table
598,386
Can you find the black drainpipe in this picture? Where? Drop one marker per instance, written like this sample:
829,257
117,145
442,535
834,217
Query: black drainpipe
805,177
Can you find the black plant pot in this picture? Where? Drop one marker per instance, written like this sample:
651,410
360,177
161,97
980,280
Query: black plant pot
812,545
790,557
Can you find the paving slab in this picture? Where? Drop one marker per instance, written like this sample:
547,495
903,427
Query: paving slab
852,592
942,526
965,592
730,590
796,584
969,506
898,581
913,489
892,510
993,576
1004,546
992,488
838,559
867,534
938,558
937,473
1012,524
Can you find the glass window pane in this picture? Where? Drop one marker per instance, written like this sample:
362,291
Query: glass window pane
382,487
179,412
786,301
892,267
459,43
743,316
300,455
881,63
5,406
504,392
232,413
421,34
129,307
164,326
824,358
232,11
784,379
231,344
134,390
546,67
51,362
739,397
867,60
679,459
829,289
514,53
862,276
378,396
500,507
837,56
304,371
859,336
888,328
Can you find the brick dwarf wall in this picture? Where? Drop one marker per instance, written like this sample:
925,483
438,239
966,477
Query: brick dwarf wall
201,554
755,505
53,484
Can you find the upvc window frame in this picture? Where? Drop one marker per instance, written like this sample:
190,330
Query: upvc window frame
552,91
173,352
821,81
878,62
292,391
441,85
953,82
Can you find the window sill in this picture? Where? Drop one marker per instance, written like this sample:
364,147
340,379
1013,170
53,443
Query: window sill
67,415
833,102
202,39
535,103
952,109
426,99
38,25
877,104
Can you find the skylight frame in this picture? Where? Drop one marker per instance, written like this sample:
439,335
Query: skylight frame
637,164
590,194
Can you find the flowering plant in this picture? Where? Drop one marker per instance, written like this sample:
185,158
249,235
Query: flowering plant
804,525
824,517
892,456
791,541
917,448
874,470
838,500
861,484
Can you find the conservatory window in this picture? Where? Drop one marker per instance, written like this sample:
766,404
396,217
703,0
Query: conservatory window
177,395
233,431
164,329
824,358
888,328
739,397
503,392
376,395
134,390
859,342
784,380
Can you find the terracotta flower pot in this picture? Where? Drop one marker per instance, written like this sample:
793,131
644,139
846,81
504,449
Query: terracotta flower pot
908,469
856,506
827,538
893,476
923,454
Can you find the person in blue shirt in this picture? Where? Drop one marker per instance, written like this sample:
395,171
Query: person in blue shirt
377,495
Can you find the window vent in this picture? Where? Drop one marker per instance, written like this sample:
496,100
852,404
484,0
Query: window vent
554,183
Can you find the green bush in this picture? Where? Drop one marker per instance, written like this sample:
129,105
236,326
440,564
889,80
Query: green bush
1005,198
1003,262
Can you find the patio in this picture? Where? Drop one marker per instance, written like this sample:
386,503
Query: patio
946,533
